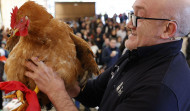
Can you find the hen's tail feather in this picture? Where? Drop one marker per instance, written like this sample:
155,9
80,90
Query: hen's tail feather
83,80
85,55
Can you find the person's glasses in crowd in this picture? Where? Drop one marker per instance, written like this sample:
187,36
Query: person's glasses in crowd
132,17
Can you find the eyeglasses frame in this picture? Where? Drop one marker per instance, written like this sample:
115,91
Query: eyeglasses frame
133,17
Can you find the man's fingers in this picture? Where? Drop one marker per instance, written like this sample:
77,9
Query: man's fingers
37,61
39,67
29,74
31,66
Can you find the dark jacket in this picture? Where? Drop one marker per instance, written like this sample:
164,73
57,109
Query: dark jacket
98,39
107,59
155,78
188,51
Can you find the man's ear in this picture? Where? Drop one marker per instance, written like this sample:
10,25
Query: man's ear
169,30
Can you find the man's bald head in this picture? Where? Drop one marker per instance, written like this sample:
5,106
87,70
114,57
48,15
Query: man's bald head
178,10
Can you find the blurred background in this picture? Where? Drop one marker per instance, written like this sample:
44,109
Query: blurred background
61,8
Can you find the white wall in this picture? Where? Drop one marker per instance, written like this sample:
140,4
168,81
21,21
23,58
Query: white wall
102,6
114,6
108,6
6,7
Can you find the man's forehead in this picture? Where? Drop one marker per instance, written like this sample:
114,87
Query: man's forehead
140,5
113,40
148,5
144,4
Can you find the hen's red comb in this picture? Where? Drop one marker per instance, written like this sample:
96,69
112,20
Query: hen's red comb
13,17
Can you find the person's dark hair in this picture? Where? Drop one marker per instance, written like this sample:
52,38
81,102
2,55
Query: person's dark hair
92,42
111,38
89,34
107,35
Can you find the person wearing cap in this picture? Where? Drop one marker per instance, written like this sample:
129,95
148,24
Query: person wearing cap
152,75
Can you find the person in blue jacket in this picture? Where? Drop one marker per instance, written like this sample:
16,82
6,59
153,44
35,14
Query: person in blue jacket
110,54
152,75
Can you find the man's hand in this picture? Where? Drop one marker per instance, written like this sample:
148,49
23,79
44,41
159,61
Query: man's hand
52,85
113,53
74,91
44,77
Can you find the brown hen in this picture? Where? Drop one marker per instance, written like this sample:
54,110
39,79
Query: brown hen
53,42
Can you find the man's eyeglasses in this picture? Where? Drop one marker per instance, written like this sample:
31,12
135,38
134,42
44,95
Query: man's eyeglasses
134,19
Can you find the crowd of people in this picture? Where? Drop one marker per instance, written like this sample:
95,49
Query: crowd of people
105,36
3,56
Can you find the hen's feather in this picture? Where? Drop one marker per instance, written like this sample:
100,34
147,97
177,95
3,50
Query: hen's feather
11,42
86,58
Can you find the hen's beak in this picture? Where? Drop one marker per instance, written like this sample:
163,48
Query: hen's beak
14,31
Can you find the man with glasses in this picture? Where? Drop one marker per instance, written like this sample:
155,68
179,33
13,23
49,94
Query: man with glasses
151,76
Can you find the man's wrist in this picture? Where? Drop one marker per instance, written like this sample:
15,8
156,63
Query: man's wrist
61,100
56,92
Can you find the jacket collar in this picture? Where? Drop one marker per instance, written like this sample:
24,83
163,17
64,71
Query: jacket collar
164,49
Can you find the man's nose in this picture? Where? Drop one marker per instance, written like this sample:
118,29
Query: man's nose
130,25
